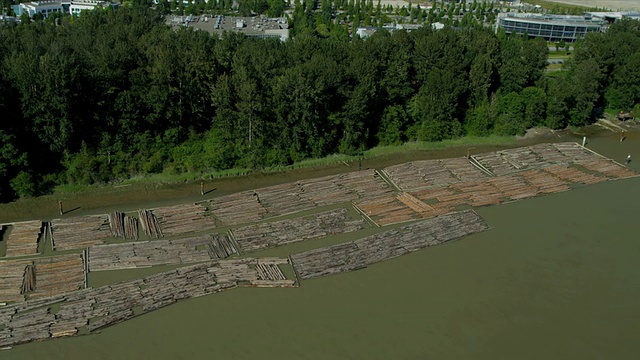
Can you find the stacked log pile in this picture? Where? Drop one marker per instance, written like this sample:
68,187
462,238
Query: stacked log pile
385,210
95,309
607,168
424,210
122,226
270,274
478,193
11,279
32,326
79,232
550,155
253,206
284,199
350,187
574,151
515,183
149,223
463,170
222,246
387,245
497,163
514,187
159,252
41,277
573,175
23,238
116,224
524,158
58,275
418,175
328,190
28,280
131,228
240,208
421,174
277,233
545,182
182,219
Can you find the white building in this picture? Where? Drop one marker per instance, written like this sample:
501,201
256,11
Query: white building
48,7
43,7
76,7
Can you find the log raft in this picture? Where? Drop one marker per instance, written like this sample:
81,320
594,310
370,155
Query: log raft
278,233
361,253
41,277
159,252
79,232
95,309
23,237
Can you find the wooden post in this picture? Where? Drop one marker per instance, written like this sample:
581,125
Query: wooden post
468,153
584,141
60,207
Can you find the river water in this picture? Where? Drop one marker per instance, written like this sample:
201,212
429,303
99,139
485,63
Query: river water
555,277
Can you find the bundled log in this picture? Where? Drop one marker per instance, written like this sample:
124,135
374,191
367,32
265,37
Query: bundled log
12,279
58,275
131,228
79,232
29,279
116,224
545,182
496,163
23,237
185,218
277,233
160,252
361,253
574,175
574,151
606,167
239,208
149,223
384,210
420,174
221,247
463,170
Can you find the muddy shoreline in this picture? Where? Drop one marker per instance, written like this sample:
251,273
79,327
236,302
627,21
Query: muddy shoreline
130,197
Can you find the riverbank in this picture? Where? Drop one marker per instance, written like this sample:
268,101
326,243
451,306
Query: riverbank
133,195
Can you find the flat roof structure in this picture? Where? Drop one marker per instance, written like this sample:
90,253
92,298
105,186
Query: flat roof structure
260,27
550,27
612,16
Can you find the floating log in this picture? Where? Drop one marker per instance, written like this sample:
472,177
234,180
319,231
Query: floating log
149,223
387,245
23,237
79,232
277,233
159,252
29,279
185,218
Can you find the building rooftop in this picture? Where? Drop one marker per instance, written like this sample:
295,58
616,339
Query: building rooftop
217,24
568,20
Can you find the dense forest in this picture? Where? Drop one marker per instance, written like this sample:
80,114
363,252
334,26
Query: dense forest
114,94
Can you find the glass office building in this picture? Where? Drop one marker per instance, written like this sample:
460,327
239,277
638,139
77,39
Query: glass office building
549,27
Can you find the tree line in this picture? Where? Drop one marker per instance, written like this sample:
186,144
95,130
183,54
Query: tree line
116,93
